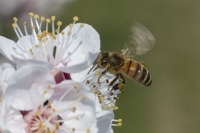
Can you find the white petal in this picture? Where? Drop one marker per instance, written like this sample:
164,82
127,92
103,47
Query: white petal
11,120
6,71
9,48
83,50
104,119
77,106
27,85
80,76
20,63
73,94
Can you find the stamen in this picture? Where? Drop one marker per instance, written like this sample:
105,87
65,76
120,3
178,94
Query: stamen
88,130
53,19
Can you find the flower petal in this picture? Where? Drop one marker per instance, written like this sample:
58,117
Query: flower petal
28,87
9,49
20,63
83,50
75,104
104,119
6,71
11,120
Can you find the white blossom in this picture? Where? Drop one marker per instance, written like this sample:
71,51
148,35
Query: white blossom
33,102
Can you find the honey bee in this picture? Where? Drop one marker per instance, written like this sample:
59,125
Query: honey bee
122,63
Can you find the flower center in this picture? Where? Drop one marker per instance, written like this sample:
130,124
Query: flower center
44,120
45,45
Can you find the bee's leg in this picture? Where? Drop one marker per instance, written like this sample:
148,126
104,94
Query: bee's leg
92,67
102,74
120,85
113,81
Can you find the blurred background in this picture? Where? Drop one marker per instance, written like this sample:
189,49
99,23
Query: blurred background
172,103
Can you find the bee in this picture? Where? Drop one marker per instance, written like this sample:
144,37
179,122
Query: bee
122,63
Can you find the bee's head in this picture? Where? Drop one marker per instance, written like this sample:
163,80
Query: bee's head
103,59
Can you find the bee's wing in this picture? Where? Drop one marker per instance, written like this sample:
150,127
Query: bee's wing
141,41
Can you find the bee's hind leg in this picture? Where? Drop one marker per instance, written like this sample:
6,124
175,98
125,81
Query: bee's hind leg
120,85
113,81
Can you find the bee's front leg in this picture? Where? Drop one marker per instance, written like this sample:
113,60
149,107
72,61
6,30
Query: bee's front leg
102,74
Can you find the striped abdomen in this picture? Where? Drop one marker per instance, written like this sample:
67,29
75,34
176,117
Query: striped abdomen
138,72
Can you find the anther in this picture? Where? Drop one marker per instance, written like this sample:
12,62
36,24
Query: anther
84,97
49,86
53,18
81,25
59,23
70,25
75,86
87,82
75,18
88,130
15,19
42,18
48,20
14,25
116,108
73,109
36,16
25,23
69,33
105,108
97,73
31,14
